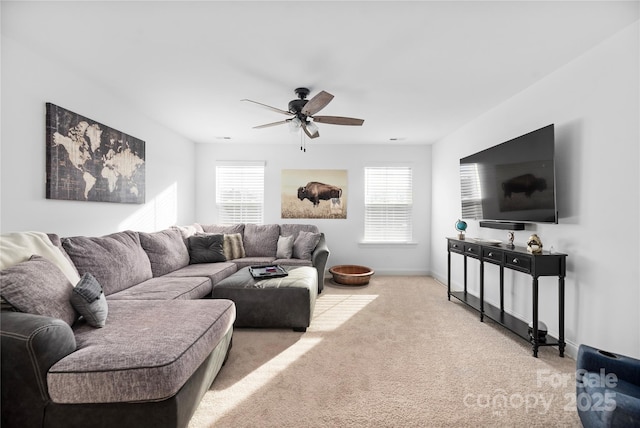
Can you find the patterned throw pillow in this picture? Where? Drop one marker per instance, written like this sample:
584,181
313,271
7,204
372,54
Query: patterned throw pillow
89,300
37,286
233,247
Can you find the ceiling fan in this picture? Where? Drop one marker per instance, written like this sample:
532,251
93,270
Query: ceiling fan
302,112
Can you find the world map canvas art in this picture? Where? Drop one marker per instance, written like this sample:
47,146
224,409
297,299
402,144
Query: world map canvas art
88,161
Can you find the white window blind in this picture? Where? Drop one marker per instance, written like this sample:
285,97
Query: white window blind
388,204
240,192
471,194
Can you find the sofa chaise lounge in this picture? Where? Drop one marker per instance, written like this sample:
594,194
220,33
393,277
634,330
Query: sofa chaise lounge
164,340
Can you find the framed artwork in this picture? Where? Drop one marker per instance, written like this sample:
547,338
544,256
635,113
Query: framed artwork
314,193
88,161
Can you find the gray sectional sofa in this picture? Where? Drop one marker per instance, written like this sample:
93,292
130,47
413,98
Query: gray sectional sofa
165,338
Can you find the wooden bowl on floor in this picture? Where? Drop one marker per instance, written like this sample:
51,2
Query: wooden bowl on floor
351,274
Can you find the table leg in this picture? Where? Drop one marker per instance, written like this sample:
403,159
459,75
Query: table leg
534,341
501,288
449,275
561,343
481,290
465,275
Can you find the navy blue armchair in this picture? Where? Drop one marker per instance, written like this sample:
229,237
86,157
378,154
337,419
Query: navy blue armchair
607,389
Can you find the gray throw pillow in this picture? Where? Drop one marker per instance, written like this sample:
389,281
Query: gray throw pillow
206,248
285,247
304,245
89,300
37,286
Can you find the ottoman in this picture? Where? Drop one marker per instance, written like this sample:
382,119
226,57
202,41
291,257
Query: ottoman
276,302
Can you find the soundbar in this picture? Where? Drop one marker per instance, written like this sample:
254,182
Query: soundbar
502,225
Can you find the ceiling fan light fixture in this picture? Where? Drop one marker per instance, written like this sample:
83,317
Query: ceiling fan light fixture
294,124
312,127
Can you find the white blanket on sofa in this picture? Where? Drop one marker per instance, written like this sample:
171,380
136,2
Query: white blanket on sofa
20,246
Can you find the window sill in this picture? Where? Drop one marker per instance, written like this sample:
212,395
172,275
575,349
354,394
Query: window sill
390,243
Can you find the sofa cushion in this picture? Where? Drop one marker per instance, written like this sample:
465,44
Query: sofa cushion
216,272
167,288
232,246
224,228
166,250
292,262
253,261
287,229
304,245
37,286
117,261
142,354
261,240
285,247
88,299
57,242
206,248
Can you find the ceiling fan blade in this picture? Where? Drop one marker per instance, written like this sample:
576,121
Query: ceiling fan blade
338,120
277,110
267,125
317,103
309,134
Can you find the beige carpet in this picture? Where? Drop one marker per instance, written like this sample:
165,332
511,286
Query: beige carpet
394,353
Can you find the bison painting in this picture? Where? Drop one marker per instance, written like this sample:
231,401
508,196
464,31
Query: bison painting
317,192
526,183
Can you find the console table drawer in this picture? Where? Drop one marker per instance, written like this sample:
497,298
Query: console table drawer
456,246
517,261
492,255
472,250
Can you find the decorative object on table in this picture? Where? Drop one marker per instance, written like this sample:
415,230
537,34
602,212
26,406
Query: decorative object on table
511,236
534,244
461,227
351,274
542,331
88,161
314,193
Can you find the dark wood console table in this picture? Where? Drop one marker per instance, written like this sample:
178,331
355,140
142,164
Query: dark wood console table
518,259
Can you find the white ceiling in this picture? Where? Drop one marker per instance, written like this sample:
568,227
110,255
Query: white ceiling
413,70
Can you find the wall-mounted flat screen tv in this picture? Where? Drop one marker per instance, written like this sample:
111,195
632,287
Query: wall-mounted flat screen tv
513,181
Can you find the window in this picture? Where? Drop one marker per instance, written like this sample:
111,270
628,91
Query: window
388,203
240,192
470,191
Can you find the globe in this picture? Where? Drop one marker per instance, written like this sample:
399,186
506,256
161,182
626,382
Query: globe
461,226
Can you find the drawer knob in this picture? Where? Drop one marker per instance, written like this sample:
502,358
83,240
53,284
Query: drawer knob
470,250
515,261
490,254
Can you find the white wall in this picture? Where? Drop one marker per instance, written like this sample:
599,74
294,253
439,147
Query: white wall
343,236
593,102
29,80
